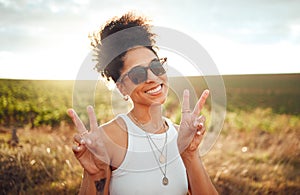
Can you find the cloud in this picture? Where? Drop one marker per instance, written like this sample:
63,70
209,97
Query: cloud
58,26
30,24
254,21
27,23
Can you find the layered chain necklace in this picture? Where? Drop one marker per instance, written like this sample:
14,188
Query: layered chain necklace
162,158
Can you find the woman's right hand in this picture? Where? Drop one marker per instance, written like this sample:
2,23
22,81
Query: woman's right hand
90,147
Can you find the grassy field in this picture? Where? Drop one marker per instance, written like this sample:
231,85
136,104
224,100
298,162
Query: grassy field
257,152
280,92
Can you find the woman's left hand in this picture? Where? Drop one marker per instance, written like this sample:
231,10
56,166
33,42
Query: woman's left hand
192,126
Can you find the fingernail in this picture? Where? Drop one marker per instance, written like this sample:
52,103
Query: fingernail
70,112
82,141
201,125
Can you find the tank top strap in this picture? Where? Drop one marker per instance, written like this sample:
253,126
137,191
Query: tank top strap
135,130
132,128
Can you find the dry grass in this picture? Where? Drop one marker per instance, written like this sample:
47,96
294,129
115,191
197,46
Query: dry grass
42,163
256,160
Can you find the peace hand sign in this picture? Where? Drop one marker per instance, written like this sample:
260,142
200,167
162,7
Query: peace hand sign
192,126
90,147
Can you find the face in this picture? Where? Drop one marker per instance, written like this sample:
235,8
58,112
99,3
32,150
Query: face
154,89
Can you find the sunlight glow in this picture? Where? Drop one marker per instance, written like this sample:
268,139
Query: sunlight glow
60,55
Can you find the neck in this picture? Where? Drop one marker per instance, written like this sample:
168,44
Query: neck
149,119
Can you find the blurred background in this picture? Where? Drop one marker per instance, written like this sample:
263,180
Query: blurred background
254,44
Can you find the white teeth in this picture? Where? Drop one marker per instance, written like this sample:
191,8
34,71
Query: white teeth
154,90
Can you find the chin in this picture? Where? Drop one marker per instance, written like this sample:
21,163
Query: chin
160,100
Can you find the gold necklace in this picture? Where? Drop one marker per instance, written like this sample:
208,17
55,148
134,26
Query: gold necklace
162,159
165,179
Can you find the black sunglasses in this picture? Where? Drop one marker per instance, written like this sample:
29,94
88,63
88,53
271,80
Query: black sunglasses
139,74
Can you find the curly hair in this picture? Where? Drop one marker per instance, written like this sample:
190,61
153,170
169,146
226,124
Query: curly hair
118,36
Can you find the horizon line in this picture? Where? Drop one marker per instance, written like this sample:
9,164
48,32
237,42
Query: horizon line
225,75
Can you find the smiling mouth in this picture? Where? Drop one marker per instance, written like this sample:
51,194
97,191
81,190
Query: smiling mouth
155,90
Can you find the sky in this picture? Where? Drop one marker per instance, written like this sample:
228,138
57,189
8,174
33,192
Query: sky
48,39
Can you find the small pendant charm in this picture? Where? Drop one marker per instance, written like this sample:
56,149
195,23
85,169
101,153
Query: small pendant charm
162,159
165,180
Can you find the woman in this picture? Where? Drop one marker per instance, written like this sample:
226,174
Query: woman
140,152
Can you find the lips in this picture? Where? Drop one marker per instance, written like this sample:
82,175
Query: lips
155,90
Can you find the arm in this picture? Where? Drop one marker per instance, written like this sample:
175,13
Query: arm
199,181
95,184
190,135
90,151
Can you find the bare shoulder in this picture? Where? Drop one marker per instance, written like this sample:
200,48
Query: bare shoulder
116,131
117,142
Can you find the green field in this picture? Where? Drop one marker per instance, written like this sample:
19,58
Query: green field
257,151
280,92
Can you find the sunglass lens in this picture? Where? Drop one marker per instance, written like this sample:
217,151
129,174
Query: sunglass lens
157,68
138,75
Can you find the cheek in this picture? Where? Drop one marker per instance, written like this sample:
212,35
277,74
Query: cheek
127,86
164,78
131,89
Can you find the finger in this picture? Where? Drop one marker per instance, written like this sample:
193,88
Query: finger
201,102
186,101
76,120
78,148
201,119
199,122
78,139
199,125
202,131
92,118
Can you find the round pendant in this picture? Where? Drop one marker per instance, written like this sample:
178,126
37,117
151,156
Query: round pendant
162,159
165,180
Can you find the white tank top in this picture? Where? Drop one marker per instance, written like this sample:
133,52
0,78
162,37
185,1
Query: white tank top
141,173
